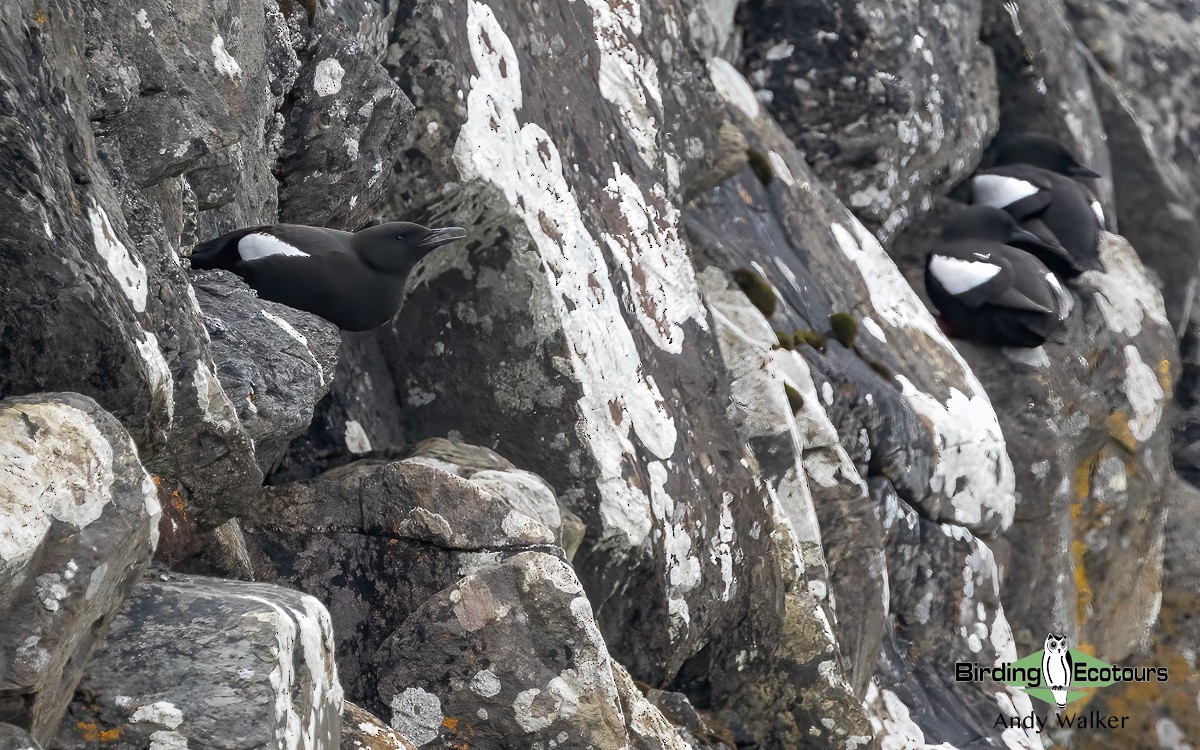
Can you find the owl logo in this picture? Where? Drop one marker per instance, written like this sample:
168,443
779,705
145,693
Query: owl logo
1056,668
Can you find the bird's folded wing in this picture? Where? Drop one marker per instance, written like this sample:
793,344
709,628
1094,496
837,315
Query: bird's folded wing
1029,206
1014,299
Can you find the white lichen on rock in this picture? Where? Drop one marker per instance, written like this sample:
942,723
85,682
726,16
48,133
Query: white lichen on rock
1145,394
62,472
224,62
327,78
973,470
125,268
417,715
620,400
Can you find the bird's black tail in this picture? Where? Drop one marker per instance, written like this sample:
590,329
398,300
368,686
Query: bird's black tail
216,253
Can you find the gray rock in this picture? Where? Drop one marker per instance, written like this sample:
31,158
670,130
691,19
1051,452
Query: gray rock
224,554
274,362
95,301
794,441
1186,446
153,127
371,21
1045,86
375,540
1141,55
1158,216
581,306
1172,640
360,418
364,730
522,491
202,662
15,738
691,726
786,545
78,524
506,657
344,122
645,725
891,102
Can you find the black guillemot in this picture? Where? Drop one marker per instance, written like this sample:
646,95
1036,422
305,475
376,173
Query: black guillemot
1039,182
352,279
988,291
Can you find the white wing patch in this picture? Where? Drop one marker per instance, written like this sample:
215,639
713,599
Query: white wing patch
256,246
1065,300
1099,211
998,191
957,276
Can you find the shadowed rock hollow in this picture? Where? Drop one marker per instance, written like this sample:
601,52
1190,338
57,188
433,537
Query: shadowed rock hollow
586,489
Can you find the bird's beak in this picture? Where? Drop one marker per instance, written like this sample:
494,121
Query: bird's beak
1078,170
438,237
1024,235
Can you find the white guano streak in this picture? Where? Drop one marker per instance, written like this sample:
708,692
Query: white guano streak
628,79
655,263
967,432
129,274
618,393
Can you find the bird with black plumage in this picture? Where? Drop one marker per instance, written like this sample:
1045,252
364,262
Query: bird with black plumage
355,280
988,291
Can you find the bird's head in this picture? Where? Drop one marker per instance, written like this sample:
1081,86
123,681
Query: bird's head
1041,151
397,246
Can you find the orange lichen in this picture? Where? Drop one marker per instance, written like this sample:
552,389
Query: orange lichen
1164,376
90,731
450,723
1118,428
1083,591
1083,479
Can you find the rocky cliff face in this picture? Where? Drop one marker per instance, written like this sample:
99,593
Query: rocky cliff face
586,489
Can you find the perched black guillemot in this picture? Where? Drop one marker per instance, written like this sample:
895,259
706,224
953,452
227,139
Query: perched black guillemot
988,291
352,279
1039,182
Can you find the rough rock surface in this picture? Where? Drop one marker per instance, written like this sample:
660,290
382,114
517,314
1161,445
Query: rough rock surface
78,523
15,738
203,662
275,363
444,679
773,540
344,536
1143,57
891,102
362,730
522,491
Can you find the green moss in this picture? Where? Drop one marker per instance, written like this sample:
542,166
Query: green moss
757,289
785,340
761,167
844,328
810,338
795,400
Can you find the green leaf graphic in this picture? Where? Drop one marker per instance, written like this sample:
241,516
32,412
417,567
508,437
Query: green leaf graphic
1044,694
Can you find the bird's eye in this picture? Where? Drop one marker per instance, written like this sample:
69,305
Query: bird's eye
400,236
